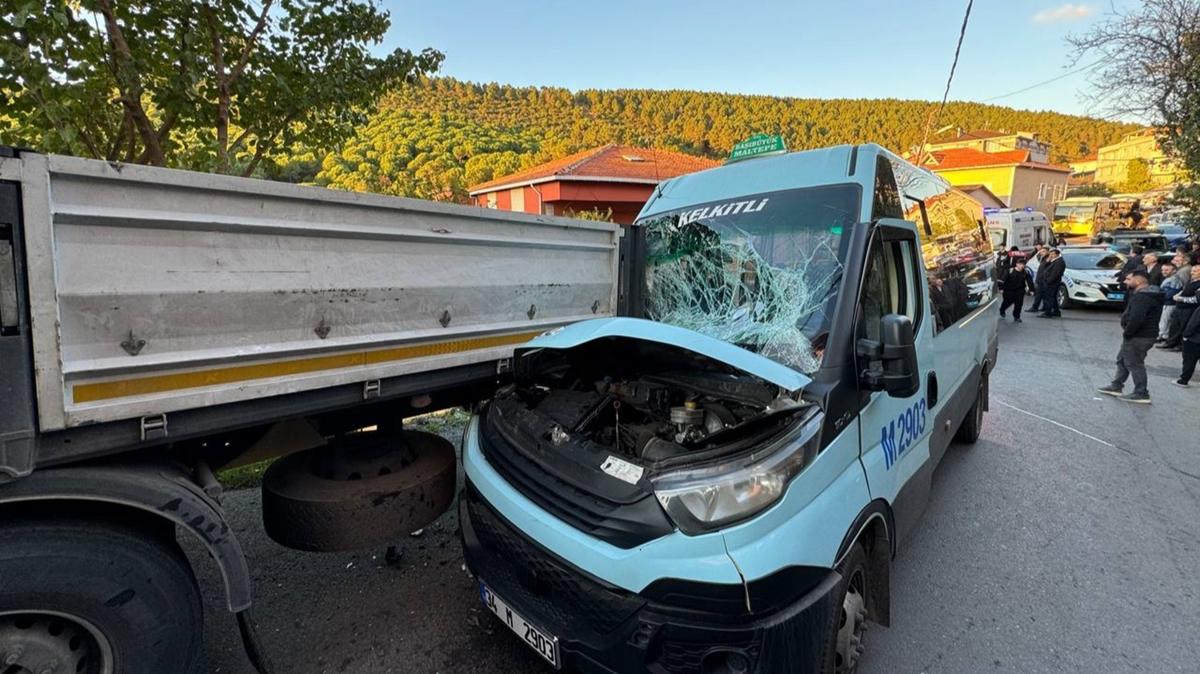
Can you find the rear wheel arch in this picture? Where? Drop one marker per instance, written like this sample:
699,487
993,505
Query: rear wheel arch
152,498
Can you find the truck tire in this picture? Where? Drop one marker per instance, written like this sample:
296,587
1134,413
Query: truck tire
405,482
972,424
845,646
85,595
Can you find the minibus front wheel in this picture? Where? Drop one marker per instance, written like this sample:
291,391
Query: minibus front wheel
850,618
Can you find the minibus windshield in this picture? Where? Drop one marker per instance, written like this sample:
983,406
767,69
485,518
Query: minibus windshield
758,271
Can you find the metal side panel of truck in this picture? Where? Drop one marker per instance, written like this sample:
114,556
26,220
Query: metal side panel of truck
769,550
155,291
157,325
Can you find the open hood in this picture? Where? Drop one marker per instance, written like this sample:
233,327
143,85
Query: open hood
751,363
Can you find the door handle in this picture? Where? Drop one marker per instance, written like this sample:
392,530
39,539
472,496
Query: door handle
931,389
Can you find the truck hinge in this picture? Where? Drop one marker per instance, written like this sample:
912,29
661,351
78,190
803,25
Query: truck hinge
504,366
371,389
154,427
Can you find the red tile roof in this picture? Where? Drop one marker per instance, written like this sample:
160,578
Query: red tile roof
609,162
965,157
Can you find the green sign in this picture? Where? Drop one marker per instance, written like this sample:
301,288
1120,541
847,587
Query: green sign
757,145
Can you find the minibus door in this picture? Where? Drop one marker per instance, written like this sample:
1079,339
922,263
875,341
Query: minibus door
896,429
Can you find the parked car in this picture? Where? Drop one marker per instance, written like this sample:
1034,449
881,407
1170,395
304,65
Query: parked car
1176,234
1123,240
1091,276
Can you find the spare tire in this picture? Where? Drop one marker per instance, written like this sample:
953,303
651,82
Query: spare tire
362,490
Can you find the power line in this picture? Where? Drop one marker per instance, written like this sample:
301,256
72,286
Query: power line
962,32
1045,82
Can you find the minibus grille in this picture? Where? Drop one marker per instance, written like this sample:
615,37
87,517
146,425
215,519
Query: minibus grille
624,525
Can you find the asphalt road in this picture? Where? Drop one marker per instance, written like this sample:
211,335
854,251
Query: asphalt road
1066,540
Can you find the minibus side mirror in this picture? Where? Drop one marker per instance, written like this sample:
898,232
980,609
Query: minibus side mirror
897,373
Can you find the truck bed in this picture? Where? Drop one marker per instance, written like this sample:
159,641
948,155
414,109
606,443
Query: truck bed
152,291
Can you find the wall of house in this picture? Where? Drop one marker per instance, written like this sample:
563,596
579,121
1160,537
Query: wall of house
998,179
561,198
1039,188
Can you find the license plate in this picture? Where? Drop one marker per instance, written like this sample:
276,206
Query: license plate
1116,296
545,645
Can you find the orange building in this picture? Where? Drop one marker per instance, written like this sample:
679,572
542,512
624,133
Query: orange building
617,177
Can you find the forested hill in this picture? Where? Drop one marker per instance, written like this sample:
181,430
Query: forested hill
435,138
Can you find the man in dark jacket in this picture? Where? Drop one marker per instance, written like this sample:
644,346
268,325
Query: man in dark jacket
1139,326
1153,269
1055,268
1013,287
1191,349
1133,262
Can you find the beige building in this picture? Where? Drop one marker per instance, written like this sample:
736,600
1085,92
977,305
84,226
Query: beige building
996,141
1011,175
1112,161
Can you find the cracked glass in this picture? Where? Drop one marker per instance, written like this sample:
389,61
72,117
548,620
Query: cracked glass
761,272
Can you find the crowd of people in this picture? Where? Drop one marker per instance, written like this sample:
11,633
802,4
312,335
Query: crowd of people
1160,310
1162,307
1043,285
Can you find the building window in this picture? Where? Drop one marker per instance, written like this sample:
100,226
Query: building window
517,199
491,200
1042,192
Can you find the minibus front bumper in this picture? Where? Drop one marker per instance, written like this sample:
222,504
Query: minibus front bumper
671,626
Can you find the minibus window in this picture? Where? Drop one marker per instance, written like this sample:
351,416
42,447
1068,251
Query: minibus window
761,271
957,255
888,286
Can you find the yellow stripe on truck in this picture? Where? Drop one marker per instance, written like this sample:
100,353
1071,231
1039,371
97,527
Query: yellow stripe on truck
123,388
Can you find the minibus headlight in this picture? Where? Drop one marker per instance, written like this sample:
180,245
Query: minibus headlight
702,499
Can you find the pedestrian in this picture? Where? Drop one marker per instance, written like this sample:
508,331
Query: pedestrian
1186,301
1171,285
1013,288
1055,268
1153,270
1133,262
1039,256
1191,349
1139,326
1183,267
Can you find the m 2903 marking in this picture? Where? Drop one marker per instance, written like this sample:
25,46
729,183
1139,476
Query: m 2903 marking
911,424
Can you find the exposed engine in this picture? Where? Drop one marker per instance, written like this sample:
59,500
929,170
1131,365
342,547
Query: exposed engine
656,416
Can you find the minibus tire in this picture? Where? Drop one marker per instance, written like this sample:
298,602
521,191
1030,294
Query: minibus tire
108,598
856,580
972,424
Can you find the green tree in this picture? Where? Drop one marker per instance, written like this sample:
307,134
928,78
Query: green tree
1093,190
218,85
1137,176
1151,70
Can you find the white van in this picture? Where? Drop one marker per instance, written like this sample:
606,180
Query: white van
1024,228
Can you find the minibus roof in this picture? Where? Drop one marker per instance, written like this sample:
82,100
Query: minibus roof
836,165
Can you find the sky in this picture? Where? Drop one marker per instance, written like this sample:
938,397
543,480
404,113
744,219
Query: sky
804,48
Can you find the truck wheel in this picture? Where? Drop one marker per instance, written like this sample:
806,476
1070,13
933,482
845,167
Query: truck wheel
972,424
79,595
845,647
363,490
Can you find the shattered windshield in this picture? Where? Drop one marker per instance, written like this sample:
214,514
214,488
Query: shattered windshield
761,272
